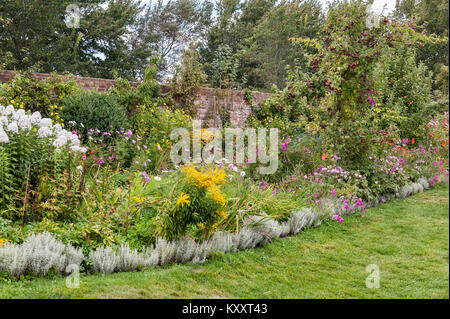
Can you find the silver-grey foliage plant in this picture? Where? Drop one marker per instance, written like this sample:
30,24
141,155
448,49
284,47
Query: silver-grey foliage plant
38,254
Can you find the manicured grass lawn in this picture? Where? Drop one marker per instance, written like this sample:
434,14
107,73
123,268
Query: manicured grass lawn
408,239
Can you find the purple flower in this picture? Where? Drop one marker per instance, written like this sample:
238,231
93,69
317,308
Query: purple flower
146,177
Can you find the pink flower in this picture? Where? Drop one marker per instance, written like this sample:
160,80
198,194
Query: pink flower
146,177
338,218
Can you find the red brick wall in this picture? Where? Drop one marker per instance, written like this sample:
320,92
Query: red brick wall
210,102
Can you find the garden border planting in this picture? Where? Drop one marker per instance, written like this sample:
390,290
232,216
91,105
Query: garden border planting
42,252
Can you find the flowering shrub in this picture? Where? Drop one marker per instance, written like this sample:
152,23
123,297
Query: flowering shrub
37,159
24,92
154,123
198,200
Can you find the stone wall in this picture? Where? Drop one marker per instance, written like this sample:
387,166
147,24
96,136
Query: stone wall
213,105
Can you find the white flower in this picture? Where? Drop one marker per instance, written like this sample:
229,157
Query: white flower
35,118
80,168
3,121
235,168
46,122
9,110
12,127
157,178
3,137
44,132
57,128
60,141
242,173
78,149
74,140
24,122
18,114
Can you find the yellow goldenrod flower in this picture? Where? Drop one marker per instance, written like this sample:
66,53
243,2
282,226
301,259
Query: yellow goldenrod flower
218,196
222,214
183,199
204,179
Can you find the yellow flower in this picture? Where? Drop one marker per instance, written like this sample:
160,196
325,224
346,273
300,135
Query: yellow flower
183,199
137,199
204,179
218,196
3,241
220,176
222,214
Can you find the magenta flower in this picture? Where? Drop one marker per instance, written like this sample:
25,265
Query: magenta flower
146,177
338,218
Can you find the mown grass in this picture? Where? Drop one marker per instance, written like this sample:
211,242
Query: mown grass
408,239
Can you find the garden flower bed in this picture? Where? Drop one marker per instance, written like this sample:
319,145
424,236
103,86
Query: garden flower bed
88,181
195,197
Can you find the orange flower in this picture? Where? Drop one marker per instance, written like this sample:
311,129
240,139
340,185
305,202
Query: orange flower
443,143
413,140
324,156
